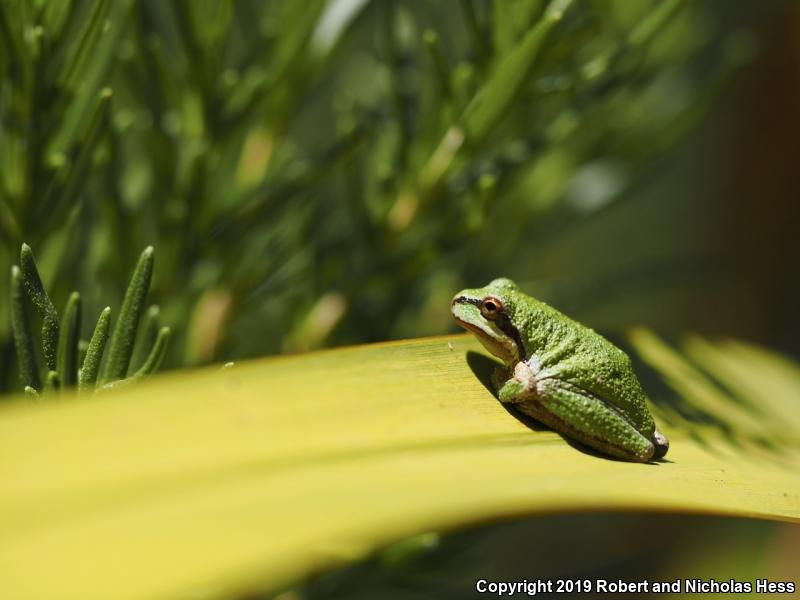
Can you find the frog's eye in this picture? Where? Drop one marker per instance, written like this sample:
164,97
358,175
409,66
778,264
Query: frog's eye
491,307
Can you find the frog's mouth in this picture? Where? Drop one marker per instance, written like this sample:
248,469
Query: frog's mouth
503,344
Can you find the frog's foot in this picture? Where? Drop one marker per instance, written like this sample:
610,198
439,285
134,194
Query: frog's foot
521,387
660,443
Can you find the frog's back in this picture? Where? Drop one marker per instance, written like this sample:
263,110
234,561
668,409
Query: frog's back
596,365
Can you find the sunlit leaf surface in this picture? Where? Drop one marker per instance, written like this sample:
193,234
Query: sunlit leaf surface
209,483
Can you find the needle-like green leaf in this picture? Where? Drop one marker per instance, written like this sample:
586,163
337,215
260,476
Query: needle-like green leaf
23,340
148,368
41,301
54,16
81,51
493,99
442,70
654,22
60,197
146,338
52,383
11,35
68,343
156,355
94,353
83,346
122,340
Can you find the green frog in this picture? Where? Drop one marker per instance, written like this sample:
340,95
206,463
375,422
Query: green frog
560,372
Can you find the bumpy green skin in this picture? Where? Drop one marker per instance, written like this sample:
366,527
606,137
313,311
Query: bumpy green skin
562,373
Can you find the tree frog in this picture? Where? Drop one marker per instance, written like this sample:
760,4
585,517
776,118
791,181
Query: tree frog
560,372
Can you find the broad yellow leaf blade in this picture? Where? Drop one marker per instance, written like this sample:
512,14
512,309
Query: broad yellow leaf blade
212,482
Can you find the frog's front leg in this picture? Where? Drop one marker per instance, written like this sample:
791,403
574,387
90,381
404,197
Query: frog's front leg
519,388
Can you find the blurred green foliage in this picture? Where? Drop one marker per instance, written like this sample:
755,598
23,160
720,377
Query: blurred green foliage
318,173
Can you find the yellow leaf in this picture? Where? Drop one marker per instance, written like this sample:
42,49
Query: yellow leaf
216,481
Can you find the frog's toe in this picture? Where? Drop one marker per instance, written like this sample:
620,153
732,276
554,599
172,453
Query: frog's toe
512,392
661,444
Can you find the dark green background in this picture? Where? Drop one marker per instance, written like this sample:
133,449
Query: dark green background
269,164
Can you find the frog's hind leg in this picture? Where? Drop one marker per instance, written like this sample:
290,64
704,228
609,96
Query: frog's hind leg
588,419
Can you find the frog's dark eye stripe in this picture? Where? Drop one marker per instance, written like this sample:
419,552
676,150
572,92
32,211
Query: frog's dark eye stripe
492,307
466,300
504,323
